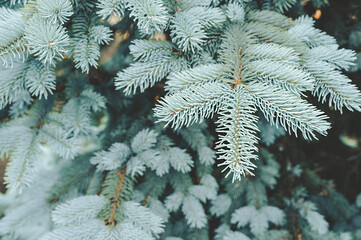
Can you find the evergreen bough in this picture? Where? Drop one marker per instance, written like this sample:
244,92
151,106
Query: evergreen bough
86,161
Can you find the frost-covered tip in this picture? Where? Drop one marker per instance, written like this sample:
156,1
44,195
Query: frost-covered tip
40,80
55,10
187,33
151,15
100,34
46,40
112,159
235,12
144,140
107,8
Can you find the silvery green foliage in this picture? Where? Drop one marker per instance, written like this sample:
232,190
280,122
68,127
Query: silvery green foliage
40,80
12,84
58,10
357,66
308,211
72,218
257,213
46,40
142,153
269,133
273,235
268,67
235,12
86,42
224,232
156,60
112,159
282,5
107,8
88,162
257,218
190,26
189,200
238,129
28,214
220,205
12,42
20,170
151,15
60,131
14,2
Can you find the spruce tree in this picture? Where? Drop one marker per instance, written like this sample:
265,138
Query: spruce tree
150,119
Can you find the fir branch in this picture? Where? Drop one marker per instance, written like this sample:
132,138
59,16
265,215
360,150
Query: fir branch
115,199
331,84
237,129
190,105
55,10
151,15
12,44
109,8
47,41
289,110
